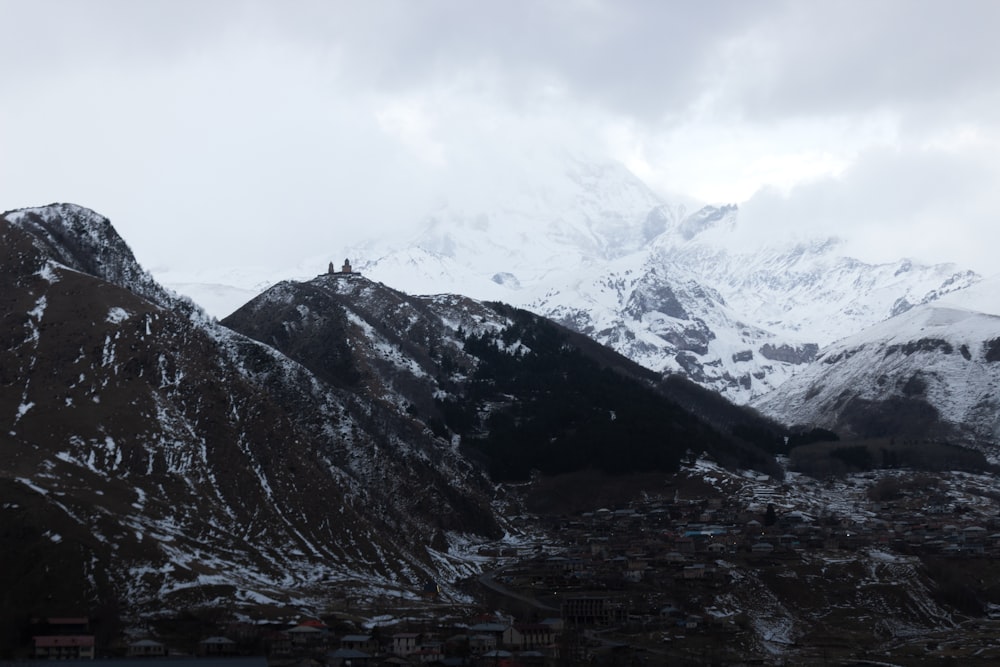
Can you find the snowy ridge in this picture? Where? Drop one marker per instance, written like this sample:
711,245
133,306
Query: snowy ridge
934,356
684,293
691,292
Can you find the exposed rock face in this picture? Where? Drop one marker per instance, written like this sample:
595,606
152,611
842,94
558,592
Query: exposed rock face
992,350
655,298
506,279
792,355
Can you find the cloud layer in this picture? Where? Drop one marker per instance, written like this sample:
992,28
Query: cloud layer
255,132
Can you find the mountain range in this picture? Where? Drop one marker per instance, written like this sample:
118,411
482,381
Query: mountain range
688,293
331,437
676,291
337,441
929,373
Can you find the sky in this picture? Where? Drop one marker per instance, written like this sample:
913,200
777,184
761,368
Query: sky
231,132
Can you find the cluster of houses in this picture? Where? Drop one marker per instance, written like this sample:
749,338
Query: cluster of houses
612,568
486,641
669,546
631,543
63,638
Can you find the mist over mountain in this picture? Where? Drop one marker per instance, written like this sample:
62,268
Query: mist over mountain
680,291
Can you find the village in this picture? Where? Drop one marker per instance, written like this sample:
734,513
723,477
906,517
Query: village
640,584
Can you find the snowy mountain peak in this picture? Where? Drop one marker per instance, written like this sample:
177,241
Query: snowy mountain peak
930,372
678,292
694,293
594,210
85,241
723,217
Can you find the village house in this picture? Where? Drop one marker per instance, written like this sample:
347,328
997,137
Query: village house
528,636
64,647
63,638
347,657
146,648
307,636
494,630
217,646
716,548
405,643
591,610
428,653
364,643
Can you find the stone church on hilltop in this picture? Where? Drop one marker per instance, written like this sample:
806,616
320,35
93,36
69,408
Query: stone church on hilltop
345,270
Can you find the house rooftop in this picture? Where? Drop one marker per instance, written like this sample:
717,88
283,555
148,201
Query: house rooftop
56,641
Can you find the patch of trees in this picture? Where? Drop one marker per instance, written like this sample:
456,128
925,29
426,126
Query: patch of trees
903,416
825,459
992,349
893,487
536,402
752,439
799,438
954,587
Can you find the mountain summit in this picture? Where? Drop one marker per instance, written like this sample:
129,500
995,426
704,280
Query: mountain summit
678,291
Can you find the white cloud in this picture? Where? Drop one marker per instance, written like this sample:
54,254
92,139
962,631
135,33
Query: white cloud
929,204
258,131
411,123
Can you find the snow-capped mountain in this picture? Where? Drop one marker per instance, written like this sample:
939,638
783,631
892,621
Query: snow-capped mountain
337,434
981,297
677,291
683,292
931,372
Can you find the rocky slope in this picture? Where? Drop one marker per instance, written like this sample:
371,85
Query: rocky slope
462,369
931,372
171,460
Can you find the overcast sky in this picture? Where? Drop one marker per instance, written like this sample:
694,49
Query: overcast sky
272,129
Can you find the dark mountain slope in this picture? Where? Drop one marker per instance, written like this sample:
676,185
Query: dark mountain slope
184,462
517,391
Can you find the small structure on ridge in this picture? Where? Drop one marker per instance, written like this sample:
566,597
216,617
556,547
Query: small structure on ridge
345,270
